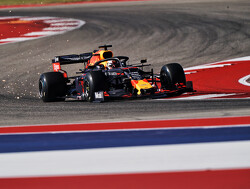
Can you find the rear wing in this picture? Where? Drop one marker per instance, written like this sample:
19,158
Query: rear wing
70,59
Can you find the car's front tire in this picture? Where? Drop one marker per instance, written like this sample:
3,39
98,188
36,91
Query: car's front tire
172,74
52,87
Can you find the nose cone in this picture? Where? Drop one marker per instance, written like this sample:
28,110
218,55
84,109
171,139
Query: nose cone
141,85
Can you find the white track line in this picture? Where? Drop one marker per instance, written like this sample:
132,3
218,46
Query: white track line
218,64
162,158
243,80
59,20
200,97
58,28
64,24
245,58
206,66
42,33
17,39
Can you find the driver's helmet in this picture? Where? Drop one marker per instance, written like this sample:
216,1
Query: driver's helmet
110,64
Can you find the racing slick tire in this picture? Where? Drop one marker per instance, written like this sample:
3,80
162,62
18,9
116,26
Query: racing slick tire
94,82
170,75
52,87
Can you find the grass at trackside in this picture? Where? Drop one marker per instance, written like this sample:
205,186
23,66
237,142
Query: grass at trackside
26,2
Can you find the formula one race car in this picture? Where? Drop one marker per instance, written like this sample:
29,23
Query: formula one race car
106,76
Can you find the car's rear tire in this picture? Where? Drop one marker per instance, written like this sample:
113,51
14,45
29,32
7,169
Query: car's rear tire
52,87
94,82
172,74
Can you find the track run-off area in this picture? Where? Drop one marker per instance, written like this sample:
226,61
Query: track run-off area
196,140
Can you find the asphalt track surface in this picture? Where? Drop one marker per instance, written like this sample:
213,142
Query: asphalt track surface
188,32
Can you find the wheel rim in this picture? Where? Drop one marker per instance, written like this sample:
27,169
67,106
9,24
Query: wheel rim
87,90
40,88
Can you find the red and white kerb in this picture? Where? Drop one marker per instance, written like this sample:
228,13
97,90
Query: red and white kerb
17,28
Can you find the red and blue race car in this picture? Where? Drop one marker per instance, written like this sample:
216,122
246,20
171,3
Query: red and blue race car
105,76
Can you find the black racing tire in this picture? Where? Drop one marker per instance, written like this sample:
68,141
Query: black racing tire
170,75
52,87
95,81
